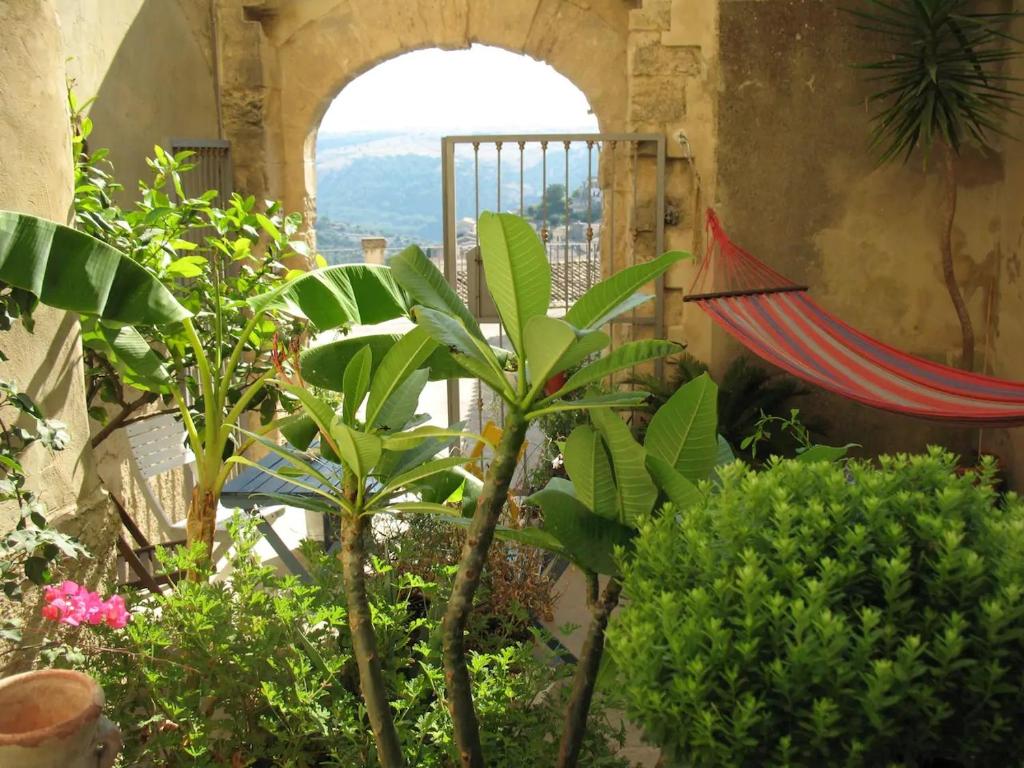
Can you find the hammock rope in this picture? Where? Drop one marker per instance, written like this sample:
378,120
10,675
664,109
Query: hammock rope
777,320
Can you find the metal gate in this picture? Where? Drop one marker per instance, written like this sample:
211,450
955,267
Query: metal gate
597,201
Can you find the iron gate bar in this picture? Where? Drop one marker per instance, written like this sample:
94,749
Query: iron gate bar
642,143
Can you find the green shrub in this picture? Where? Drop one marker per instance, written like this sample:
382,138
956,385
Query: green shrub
821,615
258,670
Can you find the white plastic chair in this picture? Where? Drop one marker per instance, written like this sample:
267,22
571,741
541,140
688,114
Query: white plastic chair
158,445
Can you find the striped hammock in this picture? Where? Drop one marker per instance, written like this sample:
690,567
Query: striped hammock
776,320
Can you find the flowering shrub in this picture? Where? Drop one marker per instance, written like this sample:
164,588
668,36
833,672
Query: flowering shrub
73,604
816,615
258,671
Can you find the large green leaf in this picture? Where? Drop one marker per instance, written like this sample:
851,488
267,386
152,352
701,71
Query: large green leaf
70,270
404,441
359,451
129,352
356,383
636,491
613,296
401,405
609,400
299,430
320,412
451,332
587,539
683,432
407,355
546,340
338,297
324,365
677,488
628,355
829,453
450,486
724,454
426,469
443,365
425,284
587,343
517,270
589,467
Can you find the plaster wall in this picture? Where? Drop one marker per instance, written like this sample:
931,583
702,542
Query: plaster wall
150,66
36,178
798,187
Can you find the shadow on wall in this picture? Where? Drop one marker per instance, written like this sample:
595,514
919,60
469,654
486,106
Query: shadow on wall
159,84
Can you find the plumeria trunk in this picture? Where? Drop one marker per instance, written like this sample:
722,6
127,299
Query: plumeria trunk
201,524
949,202
585,679
364,641
474,555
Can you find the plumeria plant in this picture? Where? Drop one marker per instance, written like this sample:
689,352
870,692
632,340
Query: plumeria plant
519,278
366,461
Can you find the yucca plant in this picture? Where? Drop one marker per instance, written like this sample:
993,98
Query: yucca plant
939,84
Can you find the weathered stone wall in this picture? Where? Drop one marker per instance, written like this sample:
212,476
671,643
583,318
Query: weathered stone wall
36,178
798,186
1008,313
763,116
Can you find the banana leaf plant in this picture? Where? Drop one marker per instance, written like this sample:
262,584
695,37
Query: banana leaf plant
67,269
529,383
329,298
370,460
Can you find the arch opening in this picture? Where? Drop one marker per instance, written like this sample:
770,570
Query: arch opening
377,170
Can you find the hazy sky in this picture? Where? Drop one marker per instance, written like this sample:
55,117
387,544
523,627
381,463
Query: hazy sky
468,91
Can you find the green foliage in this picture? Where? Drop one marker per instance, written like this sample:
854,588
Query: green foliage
818,614
258,670
745,393
768,427
939,75
28,552
213,259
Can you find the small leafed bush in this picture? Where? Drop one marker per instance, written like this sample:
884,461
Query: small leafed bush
822,615
257,670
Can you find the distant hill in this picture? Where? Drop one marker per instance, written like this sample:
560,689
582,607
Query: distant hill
390,185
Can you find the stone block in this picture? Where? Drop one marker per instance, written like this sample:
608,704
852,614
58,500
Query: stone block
660,99
653,15
653,58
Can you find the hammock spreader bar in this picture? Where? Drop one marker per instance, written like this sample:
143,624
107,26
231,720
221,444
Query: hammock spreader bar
780,323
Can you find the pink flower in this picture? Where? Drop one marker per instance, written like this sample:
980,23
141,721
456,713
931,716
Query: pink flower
72,604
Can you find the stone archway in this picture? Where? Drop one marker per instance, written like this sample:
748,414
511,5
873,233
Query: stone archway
643,65
316,53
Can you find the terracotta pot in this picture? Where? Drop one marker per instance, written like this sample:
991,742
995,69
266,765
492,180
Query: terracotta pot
52,718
